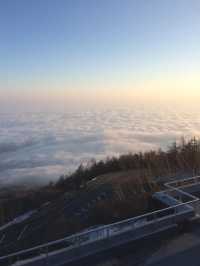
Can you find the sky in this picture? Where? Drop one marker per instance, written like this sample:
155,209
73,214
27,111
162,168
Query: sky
76,52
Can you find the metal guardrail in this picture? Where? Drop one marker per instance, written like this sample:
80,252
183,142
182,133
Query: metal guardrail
181,183
149,223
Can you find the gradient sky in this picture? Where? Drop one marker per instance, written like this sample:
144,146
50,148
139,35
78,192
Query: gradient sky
75,51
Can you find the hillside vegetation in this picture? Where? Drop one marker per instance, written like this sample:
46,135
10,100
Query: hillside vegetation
134,177
180,159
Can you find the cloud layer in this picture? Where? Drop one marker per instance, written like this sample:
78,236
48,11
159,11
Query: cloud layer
40,147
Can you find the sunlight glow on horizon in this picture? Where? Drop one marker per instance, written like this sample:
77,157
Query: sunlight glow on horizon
179,91
102,53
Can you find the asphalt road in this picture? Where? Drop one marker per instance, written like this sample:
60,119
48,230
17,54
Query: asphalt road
181,251
187,257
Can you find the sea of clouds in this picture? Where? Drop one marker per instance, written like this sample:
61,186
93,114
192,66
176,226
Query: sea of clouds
38,147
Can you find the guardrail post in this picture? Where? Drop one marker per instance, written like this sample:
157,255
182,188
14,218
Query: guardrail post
196,206
47,255
18,258
176,212
107,232
10,261
155,221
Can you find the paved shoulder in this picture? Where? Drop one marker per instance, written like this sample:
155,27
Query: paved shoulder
184,250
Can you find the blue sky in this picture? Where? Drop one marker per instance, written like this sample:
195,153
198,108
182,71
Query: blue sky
53,49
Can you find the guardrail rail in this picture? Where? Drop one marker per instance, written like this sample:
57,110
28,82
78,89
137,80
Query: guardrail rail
102,238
